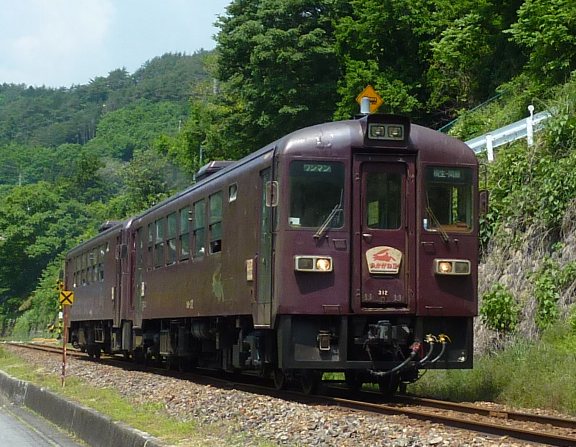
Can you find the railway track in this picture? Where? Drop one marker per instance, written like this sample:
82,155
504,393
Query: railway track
541,429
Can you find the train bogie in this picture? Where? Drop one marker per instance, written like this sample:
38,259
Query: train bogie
348,246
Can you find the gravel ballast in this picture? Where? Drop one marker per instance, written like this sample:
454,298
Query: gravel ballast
234,417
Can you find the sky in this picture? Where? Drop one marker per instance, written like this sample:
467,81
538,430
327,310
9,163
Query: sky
60,43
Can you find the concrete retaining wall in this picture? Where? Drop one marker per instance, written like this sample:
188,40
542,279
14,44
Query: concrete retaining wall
92,427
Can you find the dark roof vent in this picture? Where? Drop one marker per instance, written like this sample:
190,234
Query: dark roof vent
107,225
211,168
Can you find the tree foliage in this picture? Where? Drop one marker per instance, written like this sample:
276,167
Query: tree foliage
73,157
546,31
278,63
36,224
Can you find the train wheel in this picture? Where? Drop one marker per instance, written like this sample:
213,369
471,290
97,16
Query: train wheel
280,379
310,380
139,356
353,380
388,384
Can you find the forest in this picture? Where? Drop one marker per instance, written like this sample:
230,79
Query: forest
72,158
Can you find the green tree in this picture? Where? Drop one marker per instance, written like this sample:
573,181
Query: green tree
378,43
148,178
121,132
279,67
546,31
36,223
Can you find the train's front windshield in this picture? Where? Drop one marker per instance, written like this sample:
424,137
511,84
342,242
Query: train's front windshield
448,199
316,194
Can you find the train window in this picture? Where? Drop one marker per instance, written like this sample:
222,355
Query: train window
101,254
139,257
199,228
150,245
159,243
232,192
448,199
184,233
171,239
84,268
93,263
316,194
215,227
383,200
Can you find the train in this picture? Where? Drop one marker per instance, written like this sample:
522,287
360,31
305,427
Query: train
348,247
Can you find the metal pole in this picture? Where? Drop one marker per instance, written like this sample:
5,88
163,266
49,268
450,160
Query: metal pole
489,147
530,126
365,106
64,343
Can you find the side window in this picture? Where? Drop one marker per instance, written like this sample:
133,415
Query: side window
84,267
216,222
184,233
102,250
199,228
171,238
149,259
139,257
159,243
93,266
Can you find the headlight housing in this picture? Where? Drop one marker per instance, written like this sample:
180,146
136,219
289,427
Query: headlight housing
459,267
382,131
313,263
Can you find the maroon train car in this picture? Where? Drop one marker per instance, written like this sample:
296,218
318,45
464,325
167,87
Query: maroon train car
349,246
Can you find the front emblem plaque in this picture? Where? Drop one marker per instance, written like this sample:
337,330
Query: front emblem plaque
384,260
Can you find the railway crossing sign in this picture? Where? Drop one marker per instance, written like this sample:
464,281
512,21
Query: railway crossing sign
375,100
66,297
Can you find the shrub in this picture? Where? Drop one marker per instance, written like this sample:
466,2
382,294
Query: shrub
499,309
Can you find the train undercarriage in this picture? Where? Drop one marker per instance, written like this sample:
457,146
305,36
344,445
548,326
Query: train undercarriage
359,349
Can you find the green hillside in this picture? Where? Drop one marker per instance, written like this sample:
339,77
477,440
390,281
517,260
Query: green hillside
72,158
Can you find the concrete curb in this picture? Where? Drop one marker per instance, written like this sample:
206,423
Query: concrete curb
92,427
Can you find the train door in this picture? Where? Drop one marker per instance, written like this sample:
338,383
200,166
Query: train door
264,260
384,243
137,292
117,288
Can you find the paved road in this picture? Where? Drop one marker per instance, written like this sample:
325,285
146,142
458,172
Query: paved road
20,427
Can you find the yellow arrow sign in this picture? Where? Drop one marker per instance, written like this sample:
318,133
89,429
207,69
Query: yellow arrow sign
66,298
375,99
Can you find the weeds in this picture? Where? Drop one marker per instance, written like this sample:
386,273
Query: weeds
530,375
150,417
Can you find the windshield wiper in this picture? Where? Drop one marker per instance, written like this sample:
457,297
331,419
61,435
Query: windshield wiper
324,227
435,220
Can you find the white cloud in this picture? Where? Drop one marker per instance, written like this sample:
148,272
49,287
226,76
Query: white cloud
63,42
49,37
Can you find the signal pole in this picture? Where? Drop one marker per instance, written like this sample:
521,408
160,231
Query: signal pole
66,299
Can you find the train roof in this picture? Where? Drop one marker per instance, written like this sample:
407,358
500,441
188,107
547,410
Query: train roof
336,137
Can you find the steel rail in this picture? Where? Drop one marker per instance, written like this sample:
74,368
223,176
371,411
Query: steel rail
493,428
496,428
510,415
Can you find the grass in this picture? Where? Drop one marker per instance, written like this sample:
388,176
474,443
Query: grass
150,417
529,375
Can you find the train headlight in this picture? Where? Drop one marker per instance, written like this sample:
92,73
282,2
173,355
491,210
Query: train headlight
324,264
380,131
313,263
451,267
